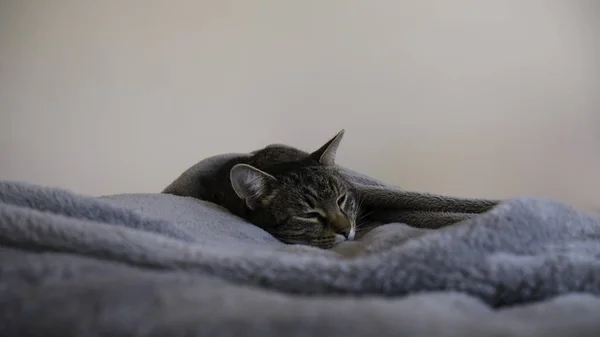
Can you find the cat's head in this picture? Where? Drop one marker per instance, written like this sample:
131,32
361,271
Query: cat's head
303,201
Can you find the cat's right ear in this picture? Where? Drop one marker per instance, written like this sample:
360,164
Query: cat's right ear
326,154
250,183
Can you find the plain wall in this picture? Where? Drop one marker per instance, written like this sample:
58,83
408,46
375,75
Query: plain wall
467,98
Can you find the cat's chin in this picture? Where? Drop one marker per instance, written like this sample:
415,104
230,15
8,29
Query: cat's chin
340,238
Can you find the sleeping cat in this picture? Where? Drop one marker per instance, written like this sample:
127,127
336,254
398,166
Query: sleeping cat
297,197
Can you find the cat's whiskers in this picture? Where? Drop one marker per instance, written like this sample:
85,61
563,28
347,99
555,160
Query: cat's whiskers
363,217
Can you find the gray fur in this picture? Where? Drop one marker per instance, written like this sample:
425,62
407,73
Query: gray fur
298,197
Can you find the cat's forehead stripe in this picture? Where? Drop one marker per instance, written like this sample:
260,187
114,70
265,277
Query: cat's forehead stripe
308,202
334,185
310,192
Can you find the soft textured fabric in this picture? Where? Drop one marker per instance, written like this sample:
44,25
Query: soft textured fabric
173,265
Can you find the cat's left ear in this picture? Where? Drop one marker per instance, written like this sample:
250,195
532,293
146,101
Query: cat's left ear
250,183
326,154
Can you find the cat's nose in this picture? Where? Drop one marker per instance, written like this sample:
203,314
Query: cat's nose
348,233
344,232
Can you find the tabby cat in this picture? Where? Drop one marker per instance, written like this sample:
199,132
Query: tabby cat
297,197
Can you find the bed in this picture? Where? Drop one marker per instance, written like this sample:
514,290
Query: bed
172,264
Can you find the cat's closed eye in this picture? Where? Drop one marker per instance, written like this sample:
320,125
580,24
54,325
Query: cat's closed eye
312,215
342,201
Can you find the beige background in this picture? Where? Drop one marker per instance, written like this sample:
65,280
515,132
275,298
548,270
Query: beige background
469,98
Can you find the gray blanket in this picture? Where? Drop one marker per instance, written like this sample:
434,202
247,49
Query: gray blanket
173,265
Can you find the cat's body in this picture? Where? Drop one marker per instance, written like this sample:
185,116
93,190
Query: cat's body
296,196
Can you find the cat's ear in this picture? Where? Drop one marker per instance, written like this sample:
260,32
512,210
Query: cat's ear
326,154
249,183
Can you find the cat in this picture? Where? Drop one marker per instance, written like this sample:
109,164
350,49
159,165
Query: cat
298,197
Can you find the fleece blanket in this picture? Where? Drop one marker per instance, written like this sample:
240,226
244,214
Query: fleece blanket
171,264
